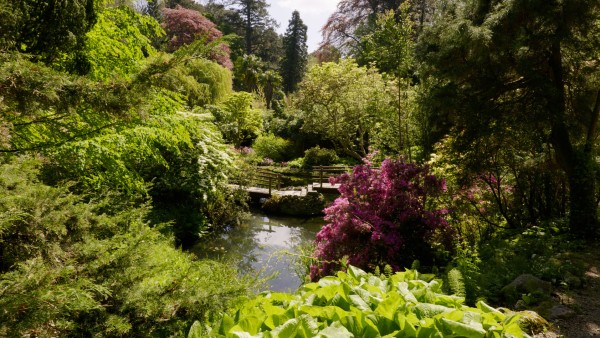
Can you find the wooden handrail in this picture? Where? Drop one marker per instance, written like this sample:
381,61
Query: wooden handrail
321,170
262,178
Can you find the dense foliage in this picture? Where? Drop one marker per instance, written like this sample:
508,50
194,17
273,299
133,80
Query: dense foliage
119,42
237,120
541,72
390,48
357,304
120,130
271,146
50,30
343,102
382,217
71,267
319,156
91,168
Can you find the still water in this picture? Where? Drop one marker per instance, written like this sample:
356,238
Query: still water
265,244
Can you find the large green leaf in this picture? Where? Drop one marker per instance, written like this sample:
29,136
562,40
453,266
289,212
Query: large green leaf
324,313
195,330
384,325
460,329
389,306
356,273
424,310
335,330
249,324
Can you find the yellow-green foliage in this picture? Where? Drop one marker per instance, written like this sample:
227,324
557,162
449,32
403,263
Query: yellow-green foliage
343,103
236,118
271,146
120,41
214,78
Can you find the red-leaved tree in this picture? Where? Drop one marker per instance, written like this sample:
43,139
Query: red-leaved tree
382,217
184,26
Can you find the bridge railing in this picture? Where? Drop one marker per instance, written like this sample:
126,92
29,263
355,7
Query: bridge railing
265,178
321,173
258,177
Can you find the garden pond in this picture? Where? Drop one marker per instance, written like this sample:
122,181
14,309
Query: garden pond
265,244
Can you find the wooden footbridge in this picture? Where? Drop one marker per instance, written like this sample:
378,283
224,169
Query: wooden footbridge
265,182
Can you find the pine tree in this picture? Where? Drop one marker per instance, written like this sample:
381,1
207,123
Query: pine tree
256,19
295,59
153,8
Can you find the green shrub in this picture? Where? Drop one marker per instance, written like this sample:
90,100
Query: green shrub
357,304
296,163
271,146
70,268
543,252
319,156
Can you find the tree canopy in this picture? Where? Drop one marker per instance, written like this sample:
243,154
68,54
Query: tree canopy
256,21
531,62
184,26
342,102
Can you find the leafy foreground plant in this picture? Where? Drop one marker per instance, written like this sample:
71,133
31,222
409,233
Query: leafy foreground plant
357,304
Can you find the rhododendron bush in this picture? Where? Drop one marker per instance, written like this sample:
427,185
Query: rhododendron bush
383,216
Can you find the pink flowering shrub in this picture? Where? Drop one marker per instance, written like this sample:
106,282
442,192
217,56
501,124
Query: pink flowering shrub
382,217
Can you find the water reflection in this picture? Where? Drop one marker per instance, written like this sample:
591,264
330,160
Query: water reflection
266,244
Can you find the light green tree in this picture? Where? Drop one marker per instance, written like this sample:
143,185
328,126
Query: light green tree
343,102
390,48
236,118
120,41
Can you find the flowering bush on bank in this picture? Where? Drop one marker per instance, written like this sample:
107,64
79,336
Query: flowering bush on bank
383,216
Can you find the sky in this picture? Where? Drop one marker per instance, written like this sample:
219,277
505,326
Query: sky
314,13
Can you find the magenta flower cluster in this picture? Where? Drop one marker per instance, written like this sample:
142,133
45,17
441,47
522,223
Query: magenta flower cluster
381,217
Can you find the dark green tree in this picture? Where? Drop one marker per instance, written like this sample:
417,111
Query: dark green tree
254,29
154,8
293,65
49,28
255,19
526,70
269,47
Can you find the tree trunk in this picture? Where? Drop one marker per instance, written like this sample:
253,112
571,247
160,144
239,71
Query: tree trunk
399,111
248,37
583,217
577,164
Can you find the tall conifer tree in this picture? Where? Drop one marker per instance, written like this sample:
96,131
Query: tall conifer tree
256,19
294,61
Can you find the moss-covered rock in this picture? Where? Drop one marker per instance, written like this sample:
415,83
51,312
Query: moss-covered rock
532,287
